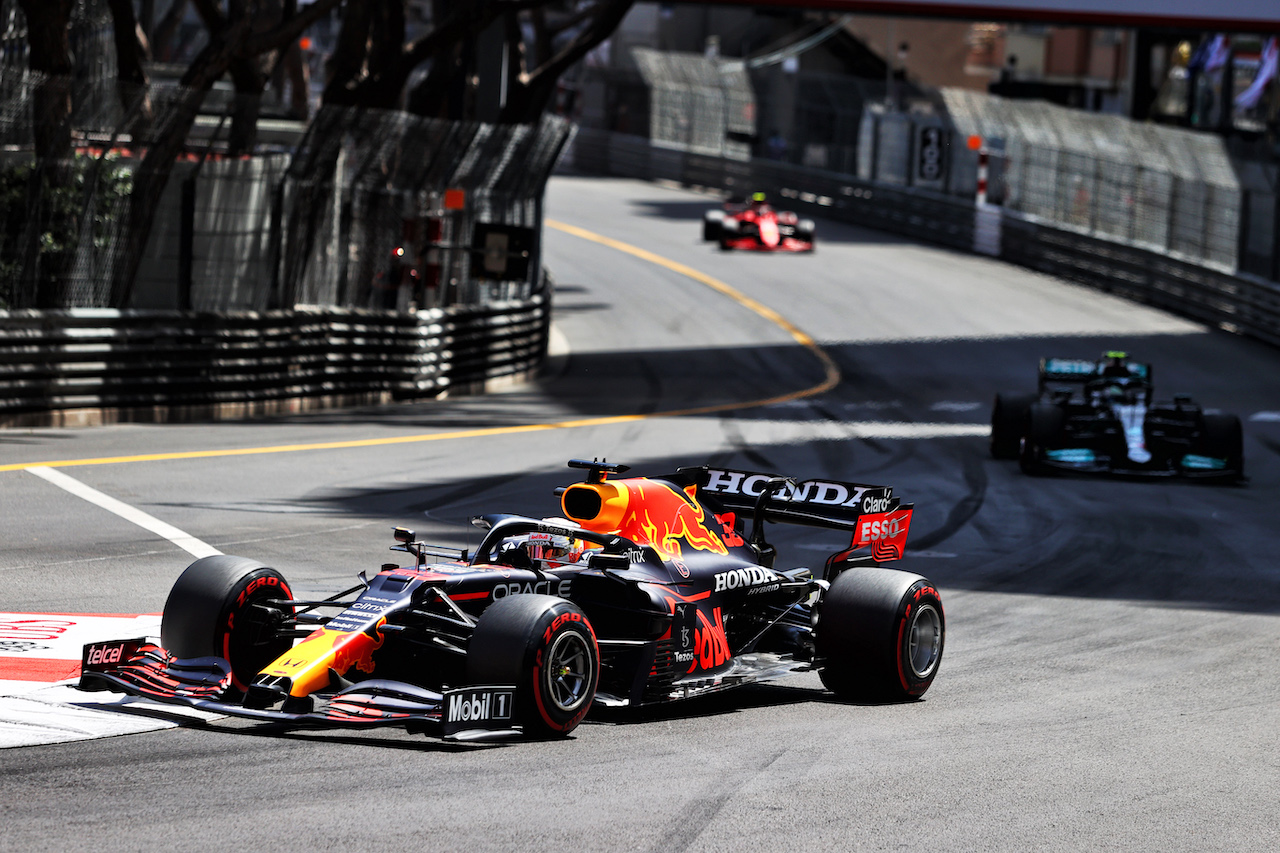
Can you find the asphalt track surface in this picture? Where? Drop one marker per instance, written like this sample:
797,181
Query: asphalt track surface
1110,675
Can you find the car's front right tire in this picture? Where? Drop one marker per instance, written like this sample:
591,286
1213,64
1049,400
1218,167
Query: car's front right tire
712,225
545,647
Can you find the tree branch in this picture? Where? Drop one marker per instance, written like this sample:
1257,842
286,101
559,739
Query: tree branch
609,13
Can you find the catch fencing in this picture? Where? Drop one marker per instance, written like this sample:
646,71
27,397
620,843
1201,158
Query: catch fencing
379,255
697,103
1164,189
1141,184
394,211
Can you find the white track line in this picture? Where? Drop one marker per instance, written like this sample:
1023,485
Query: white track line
185,541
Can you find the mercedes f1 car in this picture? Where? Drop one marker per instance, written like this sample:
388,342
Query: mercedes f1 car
1101,416
646,591
756,225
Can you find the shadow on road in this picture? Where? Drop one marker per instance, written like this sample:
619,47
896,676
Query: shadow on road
979,523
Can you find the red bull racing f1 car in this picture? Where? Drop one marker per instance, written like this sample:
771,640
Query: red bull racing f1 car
757,226
647,590
1101,416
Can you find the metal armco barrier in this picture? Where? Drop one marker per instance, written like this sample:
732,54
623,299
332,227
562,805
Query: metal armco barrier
93,366
1235,302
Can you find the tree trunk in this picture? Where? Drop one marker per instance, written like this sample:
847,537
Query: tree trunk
131,76
48,22
298,75
229,41
152,175
44,281
250,83
529,101
349,54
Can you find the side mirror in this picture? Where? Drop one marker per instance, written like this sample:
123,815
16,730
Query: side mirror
403,535
609,562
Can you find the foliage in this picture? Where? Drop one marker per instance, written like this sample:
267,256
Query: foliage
55,203
451,67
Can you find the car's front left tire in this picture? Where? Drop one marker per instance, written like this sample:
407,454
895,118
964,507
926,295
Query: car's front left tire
1222,437
221,606
805,229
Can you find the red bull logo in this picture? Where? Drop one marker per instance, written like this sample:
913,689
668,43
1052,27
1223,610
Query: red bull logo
649,512
710,644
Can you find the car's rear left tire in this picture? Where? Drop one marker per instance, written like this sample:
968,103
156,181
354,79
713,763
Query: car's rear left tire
219,607
880,634
545,647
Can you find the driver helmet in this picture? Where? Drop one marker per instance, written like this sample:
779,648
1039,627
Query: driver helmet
554,548
1115,363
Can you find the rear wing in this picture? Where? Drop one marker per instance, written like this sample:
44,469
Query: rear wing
1078,371
818,503
872,514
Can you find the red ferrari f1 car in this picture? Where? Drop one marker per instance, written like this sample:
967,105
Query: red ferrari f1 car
648,590
756,225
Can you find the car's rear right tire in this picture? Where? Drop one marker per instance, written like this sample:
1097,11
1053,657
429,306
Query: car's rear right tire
880,634
1044,428
1008,422
545,646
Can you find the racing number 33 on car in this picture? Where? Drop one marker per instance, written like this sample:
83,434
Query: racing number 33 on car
647,590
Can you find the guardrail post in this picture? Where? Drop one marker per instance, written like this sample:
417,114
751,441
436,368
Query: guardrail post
186,241
275,248
1275,236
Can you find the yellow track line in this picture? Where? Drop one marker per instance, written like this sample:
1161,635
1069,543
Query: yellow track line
830,380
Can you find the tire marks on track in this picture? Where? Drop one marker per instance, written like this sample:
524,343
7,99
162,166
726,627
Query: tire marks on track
700,811
975,478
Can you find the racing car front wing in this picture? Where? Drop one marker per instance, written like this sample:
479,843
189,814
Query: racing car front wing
1083,460
143,669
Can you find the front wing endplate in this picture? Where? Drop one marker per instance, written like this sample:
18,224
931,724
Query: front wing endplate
143,669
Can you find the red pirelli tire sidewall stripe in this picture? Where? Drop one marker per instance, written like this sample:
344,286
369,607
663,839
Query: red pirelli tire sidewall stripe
538,666
229,625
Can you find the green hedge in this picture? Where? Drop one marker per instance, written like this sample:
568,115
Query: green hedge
54,201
